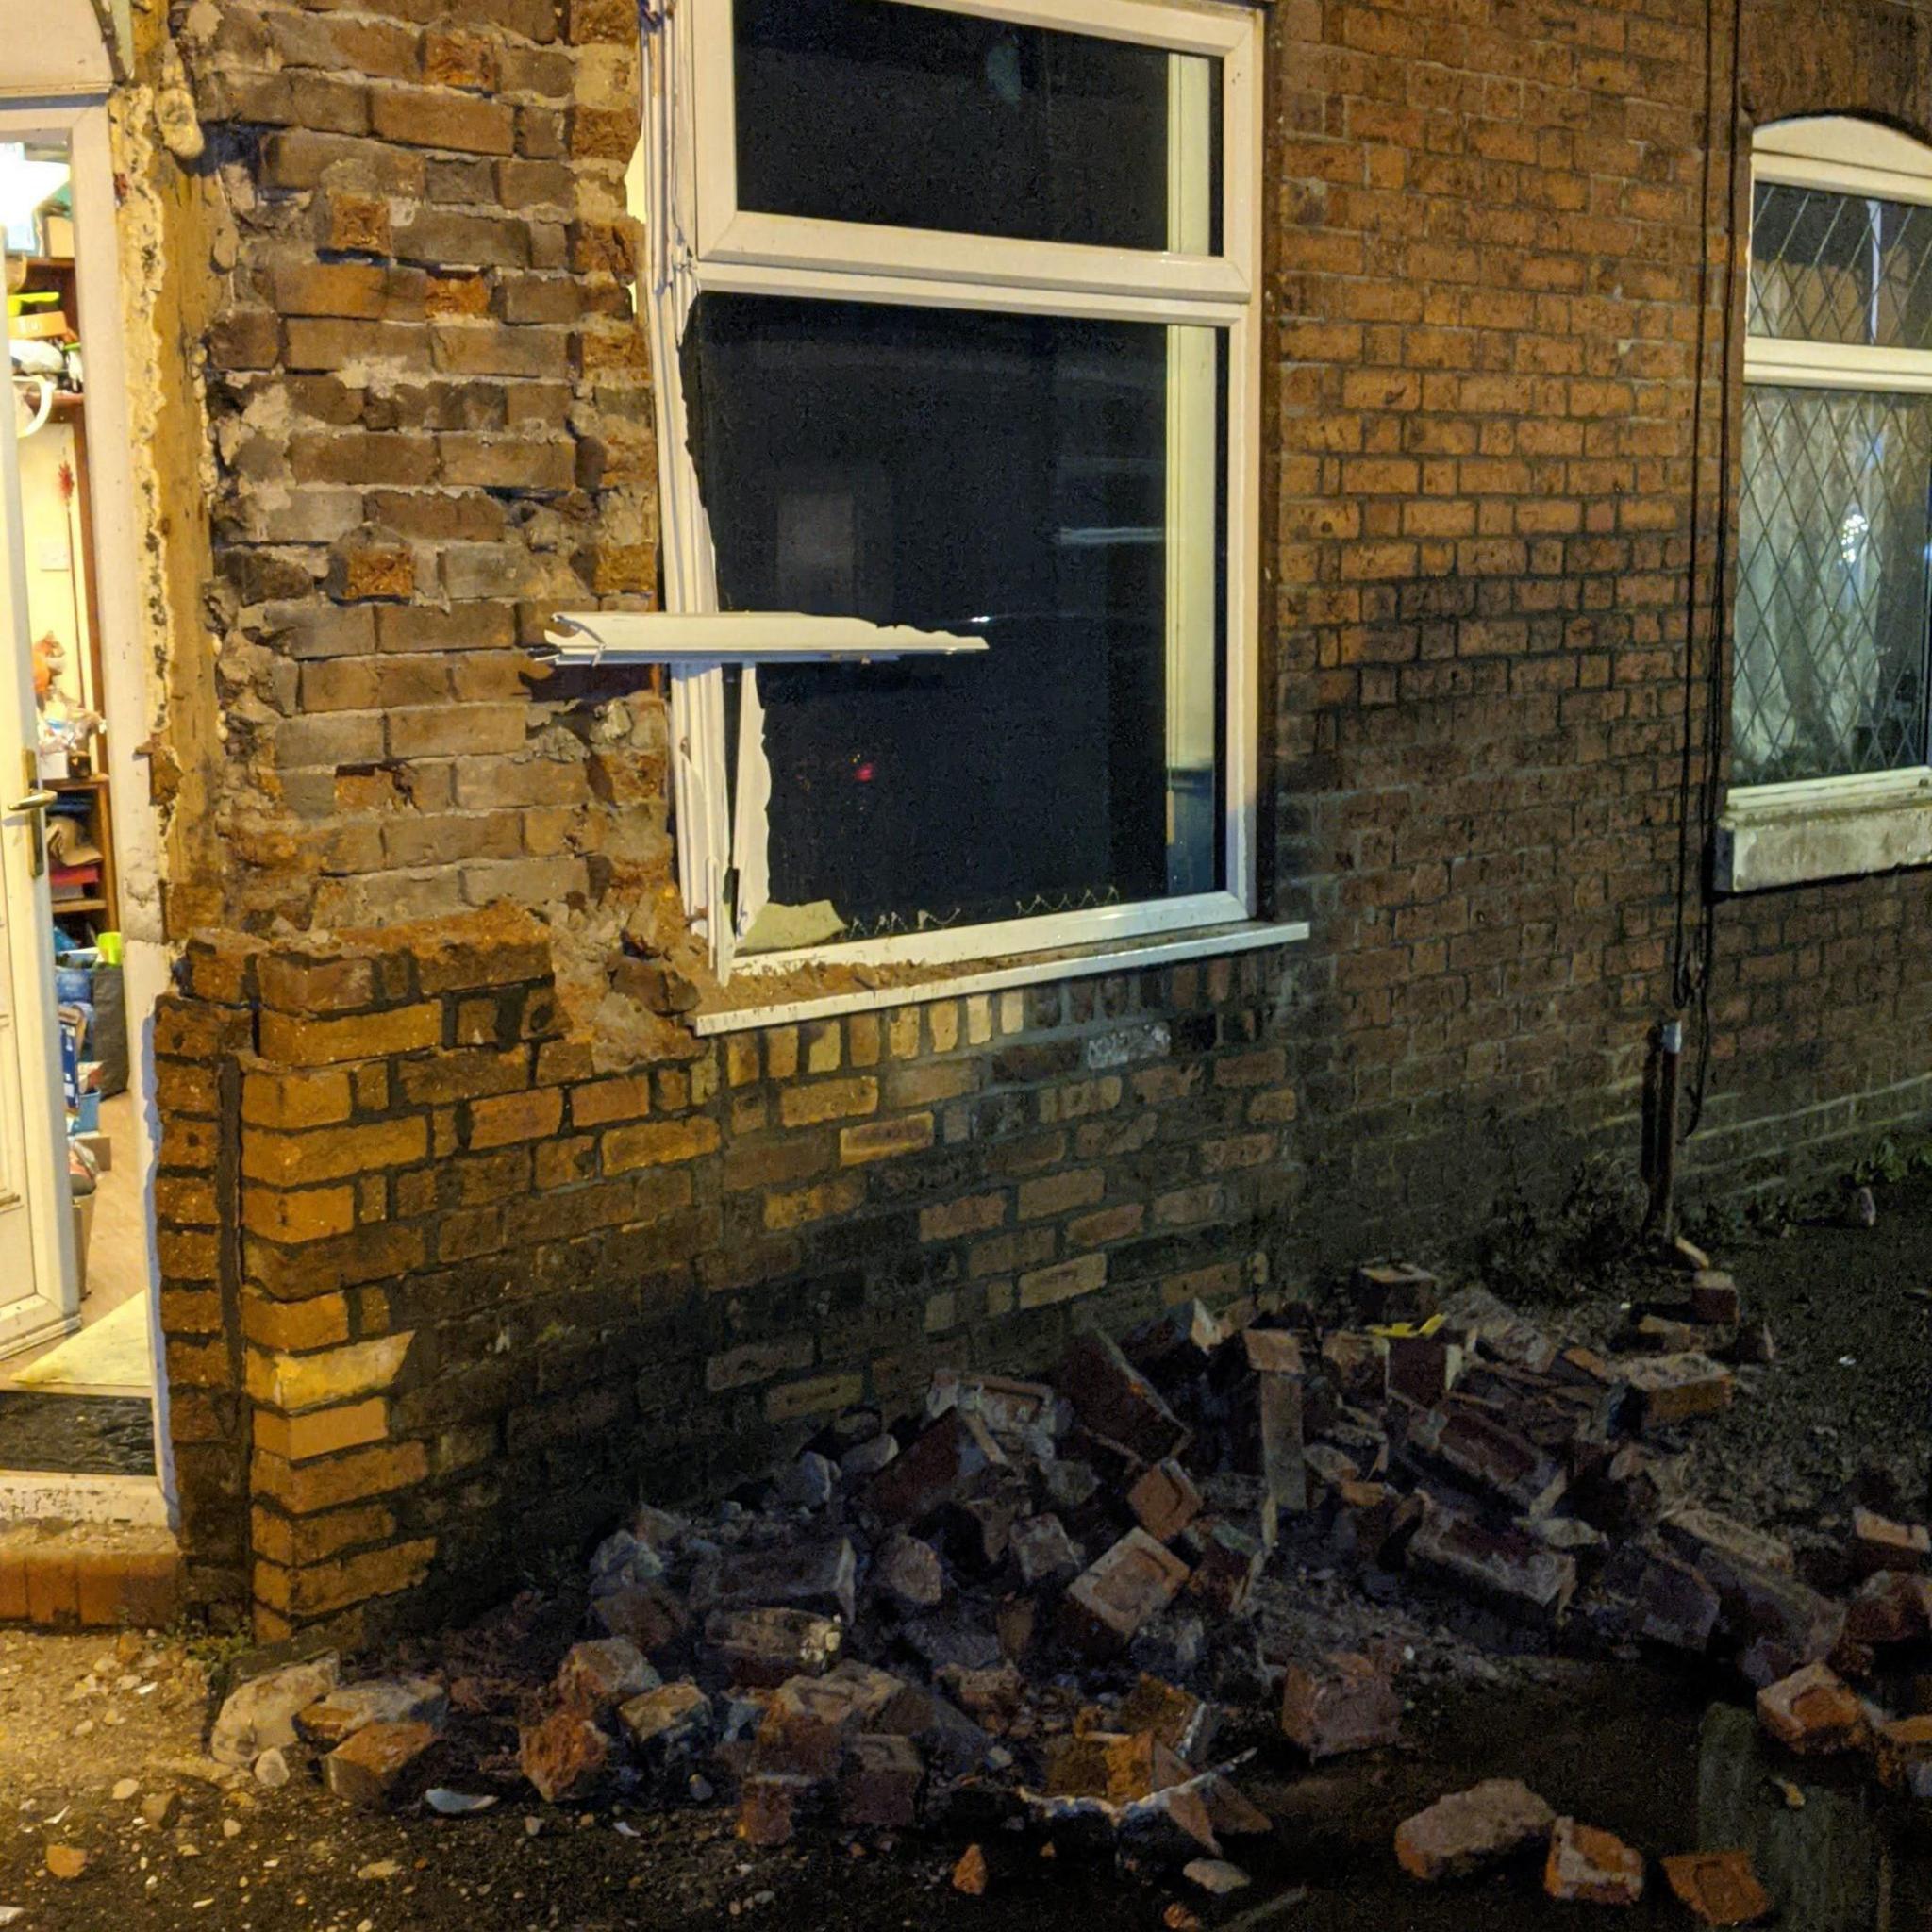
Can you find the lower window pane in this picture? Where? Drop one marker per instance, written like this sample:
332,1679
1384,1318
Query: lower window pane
1832,606
1049,484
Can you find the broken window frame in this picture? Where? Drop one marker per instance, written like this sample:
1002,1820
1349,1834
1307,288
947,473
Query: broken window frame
684,181
1781,834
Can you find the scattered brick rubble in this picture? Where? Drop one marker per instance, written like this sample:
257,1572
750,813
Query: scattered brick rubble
1037,1600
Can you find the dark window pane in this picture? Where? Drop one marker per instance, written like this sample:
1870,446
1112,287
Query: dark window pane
1832,605
907,117
998,475
1841,268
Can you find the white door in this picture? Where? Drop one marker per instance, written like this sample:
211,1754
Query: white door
39,1287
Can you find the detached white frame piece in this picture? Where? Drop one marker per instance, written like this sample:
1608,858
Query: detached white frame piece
701,241
1820,828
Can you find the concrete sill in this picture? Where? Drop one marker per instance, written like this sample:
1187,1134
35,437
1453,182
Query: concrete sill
1787,835
951,982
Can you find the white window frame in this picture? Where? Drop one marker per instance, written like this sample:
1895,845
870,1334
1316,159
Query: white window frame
684,185
1817,828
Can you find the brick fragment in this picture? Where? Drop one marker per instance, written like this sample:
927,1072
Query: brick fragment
1587,1866
767,1646
943,1464
1508,1568
1469,1830
1678,1388
1812,1712
1164,1500
1718,1887
880,1784
1114,1766
367,1767
1878,1543
1114,1400
1108,1602
1345,1703
564,1756
1392,1292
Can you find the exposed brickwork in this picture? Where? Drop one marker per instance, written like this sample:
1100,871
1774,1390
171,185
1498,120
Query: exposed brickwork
478,1288
429,406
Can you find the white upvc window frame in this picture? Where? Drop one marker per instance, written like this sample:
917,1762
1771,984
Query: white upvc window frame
1818,829
684,183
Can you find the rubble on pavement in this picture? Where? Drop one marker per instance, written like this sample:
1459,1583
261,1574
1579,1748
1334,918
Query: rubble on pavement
1039,1598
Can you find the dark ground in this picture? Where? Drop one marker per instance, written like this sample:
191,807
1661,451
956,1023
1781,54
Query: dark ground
76,1435
1658,1757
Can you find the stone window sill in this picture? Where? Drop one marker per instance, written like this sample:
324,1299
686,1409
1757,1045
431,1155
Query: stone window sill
951,982
1831,828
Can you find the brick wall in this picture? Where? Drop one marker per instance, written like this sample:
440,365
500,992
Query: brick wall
461,1238
1486,262
439,1293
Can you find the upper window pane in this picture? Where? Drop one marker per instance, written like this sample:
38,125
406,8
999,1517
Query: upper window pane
1841,268
904,116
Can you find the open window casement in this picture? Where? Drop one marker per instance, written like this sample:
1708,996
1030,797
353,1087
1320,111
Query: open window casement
955,320
1831,713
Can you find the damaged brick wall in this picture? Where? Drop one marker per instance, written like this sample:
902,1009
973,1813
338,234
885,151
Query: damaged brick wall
1487,269
450,1262
431,412
438,1294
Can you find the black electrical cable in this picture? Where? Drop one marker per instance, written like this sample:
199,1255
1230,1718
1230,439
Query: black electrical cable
1699,792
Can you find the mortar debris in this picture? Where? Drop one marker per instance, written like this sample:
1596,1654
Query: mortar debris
1081,1607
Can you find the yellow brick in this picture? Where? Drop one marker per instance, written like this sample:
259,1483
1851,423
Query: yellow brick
876,1139
902,1033
356,1579
862,1035
300,1043
330,1154
337,1374
509,1117
317,1322
822,1395
781,1053
972,1215
820,1202
943,1019
1063,1283
828,1100
1059,1194
742,1058
322,1432
656,1143
306,1214
307,1488
296,1100
823,1050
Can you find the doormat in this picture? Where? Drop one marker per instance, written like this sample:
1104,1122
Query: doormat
76,1435
110,1353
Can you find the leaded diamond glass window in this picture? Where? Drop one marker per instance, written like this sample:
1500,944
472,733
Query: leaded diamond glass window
1831,585
1833,612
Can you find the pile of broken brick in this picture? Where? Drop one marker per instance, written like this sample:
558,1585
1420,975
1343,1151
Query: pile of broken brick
1036,1600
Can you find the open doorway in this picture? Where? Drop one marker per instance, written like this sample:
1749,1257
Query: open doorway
78,1400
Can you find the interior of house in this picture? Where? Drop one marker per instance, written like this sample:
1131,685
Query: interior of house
75,1393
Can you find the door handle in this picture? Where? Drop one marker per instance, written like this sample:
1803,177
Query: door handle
34,805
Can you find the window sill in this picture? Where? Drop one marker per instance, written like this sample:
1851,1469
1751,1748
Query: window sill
1081,962
1831,828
